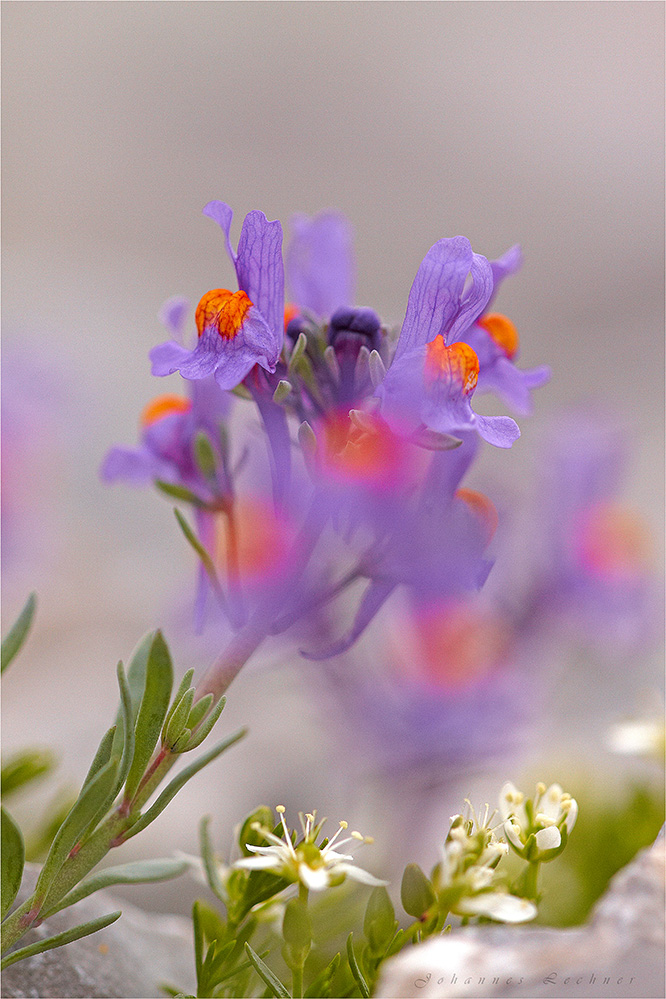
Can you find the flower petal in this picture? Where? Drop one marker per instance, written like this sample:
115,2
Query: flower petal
261,273
320,262
173,314
314,878
500,906
509,263
358,874
434,298
501,431
221,213
475,299
548,838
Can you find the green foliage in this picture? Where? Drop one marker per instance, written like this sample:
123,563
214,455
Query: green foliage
13,641
152,710
13,858
416,892
24,767
60,939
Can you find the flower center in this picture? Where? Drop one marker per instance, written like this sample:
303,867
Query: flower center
457,365
224,310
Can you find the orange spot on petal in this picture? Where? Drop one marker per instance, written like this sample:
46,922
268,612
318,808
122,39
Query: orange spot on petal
613,542
483,508
224,310
457,364
371,454
253,543
501,330
459,643
290,312
164,405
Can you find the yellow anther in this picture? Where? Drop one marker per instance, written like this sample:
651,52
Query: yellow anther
357,835
344,825
280,809
540,788
368,839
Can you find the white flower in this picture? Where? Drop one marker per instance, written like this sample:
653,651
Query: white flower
546,817
638,737
316,867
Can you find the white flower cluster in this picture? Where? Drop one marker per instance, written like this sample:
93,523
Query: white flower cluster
537,828
315,867
467,876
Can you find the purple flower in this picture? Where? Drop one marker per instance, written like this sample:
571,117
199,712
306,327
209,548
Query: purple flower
236,329
434,374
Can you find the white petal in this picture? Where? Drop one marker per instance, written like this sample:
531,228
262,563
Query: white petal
548,838
314,878
512,833
358,874
260,863
550,802
506,807
500,906
572,815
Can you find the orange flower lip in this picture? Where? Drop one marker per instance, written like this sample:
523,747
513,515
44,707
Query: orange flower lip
164,405
372,455
457,364
483,508
224,310
502,332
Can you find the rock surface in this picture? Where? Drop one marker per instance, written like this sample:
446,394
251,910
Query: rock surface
618,953
127,960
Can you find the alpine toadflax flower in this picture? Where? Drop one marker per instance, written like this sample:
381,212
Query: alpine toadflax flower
316,867
236,329
434,372
538,828
467,882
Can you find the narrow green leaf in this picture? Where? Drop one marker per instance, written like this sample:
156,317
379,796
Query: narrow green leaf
206,726
265,973
184,686
200,708
60,939
180,492
12,642
208,858
354,968
153,708
206,560
127,718
13,858
178,719
82,812
24,767
174,787
102,756
135,873
136,681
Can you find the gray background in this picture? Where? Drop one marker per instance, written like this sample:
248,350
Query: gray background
538,123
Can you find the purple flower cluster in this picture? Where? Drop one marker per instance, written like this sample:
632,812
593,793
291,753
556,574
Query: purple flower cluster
371,499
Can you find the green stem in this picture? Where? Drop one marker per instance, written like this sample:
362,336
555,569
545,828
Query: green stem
528,886
227,666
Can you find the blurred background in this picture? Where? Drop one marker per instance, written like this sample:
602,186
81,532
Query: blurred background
505,122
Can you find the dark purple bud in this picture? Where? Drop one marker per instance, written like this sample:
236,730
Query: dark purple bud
349,329
295,327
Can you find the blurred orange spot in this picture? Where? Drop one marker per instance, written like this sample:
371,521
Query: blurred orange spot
290,312
483,508
459,643
614,542
502,331
103,948
457,363
252,542
164,405
371,453
224,310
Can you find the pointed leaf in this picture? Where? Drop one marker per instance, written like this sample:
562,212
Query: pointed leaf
206,560
127,717
174,787
185,684
12,642
137,872
265,973
153,708
102,756
354,968
81,814
60,939
201,708
181,493
136,681
322,984
13,858
176,724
